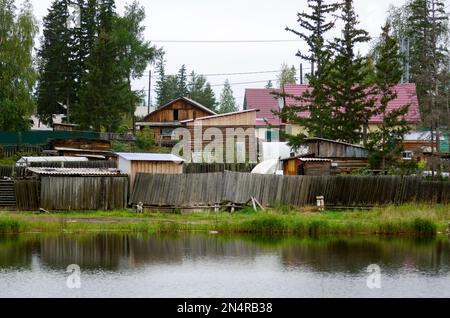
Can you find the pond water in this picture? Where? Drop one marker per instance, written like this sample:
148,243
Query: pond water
188,266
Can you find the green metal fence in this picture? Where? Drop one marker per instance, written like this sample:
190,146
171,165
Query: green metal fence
42,137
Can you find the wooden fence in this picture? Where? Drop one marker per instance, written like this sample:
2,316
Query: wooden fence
11,151
192,168
185,191
13,172
83,193
27,195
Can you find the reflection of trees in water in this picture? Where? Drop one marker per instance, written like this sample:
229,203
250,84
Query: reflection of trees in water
120,251
112,251
355,255
12,249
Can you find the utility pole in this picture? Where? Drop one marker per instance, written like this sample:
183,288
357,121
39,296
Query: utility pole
301,73
149,105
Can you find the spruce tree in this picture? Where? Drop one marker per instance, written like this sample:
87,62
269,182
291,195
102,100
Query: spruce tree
104,97
351,98
200,91
182,82
56,82
227,102
315,24
385,142
161,89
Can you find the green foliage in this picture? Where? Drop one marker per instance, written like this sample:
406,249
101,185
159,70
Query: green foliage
117,146
288,75
17,75
201,91
145,140
315,25
227,102
385,142
425,24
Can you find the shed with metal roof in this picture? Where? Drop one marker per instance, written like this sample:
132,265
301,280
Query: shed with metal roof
153,163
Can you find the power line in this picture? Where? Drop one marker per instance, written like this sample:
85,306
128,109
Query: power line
223,41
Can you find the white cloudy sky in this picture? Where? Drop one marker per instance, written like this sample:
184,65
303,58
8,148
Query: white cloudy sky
232,20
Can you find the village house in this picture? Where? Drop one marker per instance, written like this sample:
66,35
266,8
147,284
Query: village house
163,121
266,102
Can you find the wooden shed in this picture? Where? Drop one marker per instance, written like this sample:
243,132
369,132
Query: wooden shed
345,157
298,166
153,163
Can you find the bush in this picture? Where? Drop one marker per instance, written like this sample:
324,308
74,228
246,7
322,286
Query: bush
145,140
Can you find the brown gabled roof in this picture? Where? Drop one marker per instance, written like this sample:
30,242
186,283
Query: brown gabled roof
187,100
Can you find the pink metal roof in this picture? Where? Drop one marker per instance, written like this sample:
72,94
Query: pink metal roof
263,100
406,95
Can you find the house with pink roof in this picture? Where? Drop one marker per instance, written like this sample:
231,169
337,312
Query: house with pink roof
266,102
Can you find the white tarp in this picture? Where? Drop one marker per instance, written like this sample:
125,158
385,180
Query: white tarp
267,167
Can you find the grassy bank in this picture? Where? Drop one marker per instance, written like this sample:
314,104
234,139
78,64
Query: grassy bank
412,220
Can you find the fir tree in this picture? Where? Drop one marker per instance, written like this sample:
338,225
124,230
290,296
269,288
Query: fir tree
227,102
351,98
162,92
182,83
315,24
104,98
56,82
200,91
385,142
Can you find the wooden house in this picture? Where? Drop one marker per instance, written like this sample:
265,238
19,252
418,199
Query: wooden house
345,157
298,166
237,131
163,121
134,163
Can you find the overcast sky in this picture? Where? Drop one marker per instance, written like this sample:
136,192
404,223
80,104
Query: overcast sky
232,20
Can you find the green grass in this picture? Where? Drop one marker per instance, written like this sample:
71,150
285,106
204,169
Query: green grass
410,220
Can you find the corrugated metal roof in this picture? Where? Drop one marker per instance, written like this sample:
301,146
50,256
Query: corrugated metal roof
75,172
308,159
52,159
155,157
266,102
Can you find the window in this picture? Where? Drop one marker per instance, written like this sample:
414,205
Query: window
176,115
166,132
407,155
269,135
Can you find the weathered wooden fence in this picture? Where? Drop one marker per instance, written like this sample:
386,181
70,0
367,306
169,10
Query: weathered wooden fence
192,168
12,172
27,195
10,151
346,191
83,193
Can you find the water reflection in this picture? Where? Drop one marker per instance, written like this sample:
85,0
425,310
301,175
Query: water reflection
118,252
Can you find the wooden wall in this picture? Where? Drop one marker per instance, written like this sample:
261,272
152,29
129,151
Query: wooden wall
328,149
154,168
186,111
